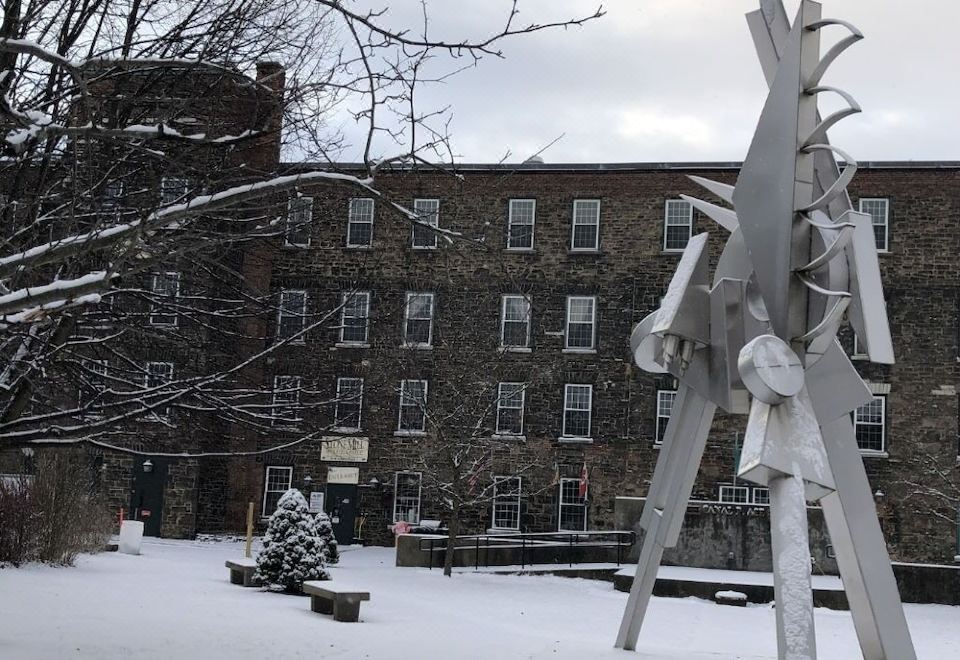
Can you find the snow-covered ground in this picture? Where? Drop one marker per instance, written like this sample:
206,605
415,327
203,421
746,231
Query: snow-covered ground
175,602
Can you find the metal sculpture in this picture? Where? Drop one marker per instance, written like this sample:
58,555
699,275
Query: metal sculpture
760,340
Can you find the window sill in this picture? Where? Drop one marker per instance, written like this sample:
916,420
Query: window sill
350,344
874,454
417,347
362,248
579,351
152,324
516,349
423,248
343,430
503,530
529,250
296,245
509,437
407,434
574,440
859,357
591,251
672,252
293,342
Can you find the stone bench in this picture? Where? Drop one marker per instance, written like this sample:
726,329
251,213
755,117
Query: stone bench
329,598
735,598
241,571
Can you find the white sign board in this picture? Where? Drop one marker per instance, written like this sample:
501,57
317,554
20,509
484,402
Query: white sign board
343,475
316,502
344,450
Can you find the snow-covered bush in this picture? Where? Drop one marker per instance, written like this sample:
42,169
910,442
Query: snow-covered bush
331,553
292,552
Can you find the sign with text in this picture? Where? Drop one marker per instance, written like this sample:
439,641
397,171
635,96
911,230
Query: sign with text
316,502
343,475
344,450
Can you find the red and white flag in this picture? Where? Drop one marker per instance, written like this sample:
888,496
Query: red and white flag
584,482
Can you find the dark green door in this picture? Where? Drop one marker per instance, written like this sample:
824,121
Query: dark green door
341,505
146,502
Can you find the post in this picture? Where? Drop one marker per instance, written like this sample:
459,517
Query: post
246,551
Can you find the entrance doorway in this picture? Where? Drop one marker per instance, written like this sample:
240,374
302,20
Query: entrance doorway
146,501
341,504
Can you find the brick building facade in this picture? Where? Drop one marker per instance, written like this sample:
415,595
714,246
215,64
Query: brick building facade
525,301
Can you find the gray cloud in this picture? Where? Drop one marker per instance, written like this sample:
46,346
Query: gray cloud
675,80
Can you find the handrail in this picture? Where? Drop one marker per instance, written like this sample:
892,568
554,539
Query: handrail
527,541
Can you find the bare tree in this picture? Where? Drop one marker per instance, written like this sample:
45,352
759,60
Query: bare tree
142,200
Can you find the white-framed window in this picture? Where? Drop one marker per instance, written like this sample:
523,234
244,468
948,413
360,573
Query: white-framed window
291,313
413,399
355,317
869,424
172,189
164,290
277,480
677,225
506,503
418,320
360,223
734,494
406,497
760,495
156,375
521,218
429,212
585,234
349,404
665,399
510,401
286,399
573,508
878,208
858,352
581,327
577,408
515,322
299,216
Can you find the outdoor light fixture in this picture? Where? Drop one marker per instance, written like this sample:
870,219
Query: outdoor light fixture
148,466
307,480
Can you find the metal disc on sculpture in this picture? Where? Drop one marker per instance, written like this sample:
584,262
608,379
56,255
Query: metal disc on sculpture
770,369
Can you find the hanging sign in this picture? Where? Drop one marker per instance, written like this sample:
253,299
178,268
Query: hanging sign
344,450
343,475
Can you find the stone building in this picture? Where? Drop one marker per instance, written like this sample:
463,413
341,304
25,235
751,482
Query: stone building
510,326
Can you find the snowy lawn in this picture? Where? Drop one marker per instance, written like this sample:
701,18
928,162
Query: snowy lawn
175,602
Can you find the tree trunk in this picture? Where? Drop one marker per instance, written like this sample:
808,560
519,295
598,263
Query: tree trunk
451,540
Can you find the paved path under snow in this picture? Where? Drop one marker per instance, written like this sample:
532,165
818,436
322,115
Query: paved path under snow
175,602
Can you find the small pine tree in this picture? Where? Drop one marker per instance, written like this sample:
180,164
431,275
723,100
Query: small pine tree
331,553
292,553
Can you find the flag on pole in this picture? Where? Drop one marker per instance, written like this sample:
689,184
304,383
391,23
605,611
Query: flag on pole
556,474
584,482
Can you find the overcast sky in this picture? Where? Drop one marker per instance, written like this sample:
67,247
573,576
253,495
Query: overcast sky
678,80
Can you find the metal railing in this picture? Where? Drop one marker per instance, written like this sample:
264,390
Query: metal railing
529,543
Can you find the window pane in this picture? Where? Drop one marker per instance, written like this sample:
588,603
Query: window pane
355,317
580,322
299,215
665,400
516,321
573,510
292,310
506,503
586,224
360,223
419,323
576,410
678,224
510,402
412,399
276,482
406,502
428,210
879,214
349,403
869,425
520,223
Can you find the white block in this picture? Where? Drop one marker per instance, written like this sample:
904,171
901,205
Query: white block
131,536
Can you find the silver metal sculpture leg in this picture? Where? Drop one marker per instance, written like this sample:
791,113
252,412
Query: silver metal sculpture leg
662,518
861,551
790,544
